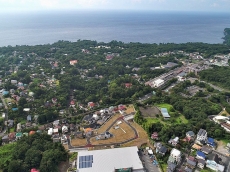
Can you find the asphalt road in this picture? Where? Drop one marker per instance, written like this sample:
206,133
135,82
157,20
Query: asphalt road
149,167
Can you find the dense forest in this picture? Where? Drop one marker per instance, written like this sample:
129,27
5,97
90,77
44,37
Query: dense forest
217,75
35,151
226,36
196,109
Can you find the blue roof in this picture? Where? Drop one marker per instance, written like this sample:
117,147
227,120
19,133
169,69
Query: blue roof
210,140
14,109
165,113
5,92
199,153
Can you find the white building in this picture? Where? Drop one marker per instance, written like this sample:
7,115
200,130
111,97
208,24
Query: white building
201,137
175,156
108,160
50,131
64,129
158,83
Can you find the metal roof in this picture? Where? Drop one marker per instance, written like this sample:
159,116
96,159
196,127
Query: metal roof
165,113
110,159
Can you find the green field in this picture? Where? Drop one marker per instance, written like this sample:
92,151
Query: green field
168,106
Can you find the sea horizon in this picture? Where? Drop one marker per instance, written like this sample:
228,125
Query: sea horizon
47,27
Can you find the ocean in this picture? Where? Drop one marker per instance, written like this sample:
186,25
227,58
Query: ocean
104,26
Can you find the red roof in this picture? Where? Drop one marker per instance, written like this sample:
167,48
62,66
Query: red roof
91,104
128,85
121,107
109,57
32,132
72,102
34,170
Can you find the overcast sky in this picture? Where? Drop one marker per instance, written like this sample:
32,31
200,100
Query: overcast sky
166,5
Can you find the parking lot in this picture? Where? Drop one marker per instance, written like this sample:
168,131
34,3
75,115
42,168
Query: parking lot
149,167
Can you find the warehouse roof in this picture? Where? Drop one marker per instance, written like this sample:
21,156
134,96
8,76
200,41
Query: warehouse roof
109,160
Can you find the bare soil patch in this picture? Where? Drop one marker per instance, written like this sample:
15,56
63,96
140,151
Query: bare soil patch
142,136
121,134
129,109
104,127
78,142
63,166
149,111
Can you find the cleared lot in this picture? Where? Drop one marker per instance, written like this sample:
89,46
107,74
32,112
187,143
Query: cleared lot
149,111
121,134
78,142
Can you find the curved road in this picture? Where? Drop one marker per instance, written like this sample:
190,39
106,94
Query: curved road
90,145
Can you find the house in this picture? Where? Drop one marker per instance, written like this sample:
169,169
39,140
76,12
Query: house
32,132
91,104
191,163
104,136
55,131
54,100
211,142
14,82
12,136
206,149
197,147
78,134
64,139
73,62
19,127
121,107
72,127
56,138
64,129
28,124
88,132
214,164
175,156
161,149
174,141
200,163
18,135
10,123
50,131
5,139
28,118
201,137
154,136
56,123
128,85
34,170
95,116
190,135
200,155
171,167
187,169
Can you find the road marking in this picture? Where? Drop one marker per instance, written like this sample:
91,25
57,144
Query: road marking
122,129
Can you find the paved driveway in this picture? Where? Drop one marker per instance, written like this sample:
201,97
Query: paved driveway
148,163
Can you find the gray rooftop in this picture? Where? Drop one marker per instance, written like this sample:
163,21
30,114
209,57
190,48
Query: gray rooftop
110,159
165,113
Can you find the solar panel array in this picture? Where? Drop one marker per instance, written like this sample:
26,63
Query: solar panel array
85,161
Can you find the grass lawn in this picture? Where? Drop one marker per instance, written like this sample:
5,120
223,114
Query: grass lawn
164,167
165,105
225,141
181,119
11,130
